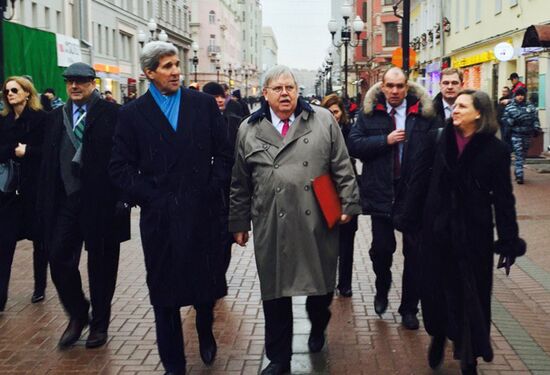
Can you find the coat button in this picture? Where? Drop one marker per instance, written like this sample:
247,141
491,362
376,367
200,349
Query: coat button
276,166
308,212
265,147
306,140
306,188
278,190
281,214
305,163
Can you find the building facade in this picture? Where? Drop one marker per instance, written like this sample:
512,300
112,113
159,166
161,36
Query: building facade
465,34
269,51
107,33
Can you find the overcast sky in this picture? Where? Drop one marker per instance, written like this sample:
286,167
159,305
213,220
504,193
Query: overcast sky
300,27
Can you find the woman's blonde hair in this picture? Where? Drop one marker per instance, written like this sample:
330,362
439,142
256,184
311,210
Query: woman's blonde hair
27,86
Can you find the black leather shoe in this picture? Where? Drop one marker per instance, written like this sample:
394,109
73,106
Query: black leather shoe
380,305
410,321
37,297
470,370
72,332
96,339
276,369
208,352
345,292
315,343
436,351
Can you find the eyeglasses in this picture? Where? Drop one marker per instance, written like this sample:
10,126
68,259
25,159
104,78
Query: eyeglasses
13,90
279,89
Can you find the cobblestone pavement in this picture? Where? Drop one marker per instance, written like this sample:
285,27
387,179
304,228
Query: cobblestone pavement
359,342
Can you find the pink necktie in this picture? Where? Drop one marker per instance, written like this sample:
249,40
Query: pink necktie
286,126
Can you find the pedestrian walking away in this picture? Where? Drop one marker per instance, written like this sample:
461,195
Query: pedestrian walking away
347,231
280,149
172,157
22,126
78,205
521,117
394,124
460,188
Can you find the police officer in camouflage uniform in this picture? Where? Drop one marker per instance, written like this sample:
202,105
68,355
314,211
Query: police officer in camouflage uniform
522,119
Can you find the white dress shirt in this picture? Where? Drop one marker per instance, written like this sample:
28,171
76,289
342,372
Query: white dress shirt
447,108
278,123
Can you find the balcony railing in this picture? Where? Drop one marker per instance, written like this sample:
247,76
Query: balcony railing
212,50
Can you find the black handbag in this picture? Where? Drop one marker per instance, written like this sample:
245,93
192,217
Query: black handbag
9,176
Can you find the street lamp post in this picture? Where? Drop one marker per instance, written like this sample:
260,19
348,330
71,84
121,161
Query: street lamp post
328,69
345,37
229,71
195,47
218,67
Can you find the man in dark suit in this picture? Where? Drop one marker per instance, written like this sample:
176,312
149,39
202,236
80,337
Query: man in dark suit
173,158
79,205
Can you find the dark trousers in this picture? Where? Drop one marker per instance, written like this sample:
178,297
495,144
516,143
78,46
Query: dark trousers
279,324
381,254
345,255
64,255
170,342
11,206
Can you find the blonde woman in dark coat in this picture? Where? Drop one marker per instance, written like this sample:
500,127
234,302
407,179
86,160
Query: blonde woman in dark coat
21,135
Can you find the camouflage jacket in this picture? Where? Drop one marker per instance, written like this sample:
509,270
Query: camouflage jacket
522,118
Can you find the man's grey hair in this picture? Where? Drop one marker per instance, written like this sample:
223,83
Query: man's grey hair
152,52
276,72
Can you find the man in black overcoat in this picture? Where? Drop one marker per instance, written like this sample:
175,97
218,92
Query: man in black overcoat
452,80
393,126
173,158
78,205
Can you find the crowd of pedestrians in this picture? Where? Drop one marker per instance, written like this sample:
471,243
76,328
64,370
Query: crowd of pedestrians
205,171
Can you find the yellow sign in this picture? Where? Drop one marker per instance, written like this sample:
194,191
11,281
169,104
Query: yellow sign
473,60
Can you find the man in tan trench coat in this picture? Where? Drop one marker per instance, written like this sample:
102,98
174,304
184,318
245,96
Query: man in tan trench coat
280,149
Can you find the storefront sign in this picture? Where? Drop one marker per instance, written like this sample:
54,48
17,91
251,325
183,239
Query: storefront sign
473,60
68,50
504,51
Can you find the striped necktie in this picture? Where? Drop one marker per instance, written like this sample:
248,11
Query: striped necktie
80,124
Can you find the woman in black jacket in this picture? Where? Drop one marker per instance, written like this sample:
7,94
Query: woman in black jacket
21,136
347,231
461,183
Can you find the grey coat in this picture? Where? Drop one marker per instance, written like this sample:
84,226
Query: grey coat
296,253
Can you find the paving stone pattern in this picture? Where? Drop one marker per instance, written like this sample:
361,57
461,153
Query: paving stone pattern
359,342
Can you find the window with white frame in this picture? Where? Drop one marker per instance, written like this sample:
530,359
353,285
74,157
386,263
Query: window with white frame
212,17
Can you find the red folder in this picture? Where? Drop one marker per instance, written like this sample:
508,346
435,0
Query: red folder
328,199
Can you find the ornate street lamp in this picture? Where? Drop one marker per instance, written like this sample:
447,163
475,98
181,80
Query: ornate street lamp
345,37
143,38
195,47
